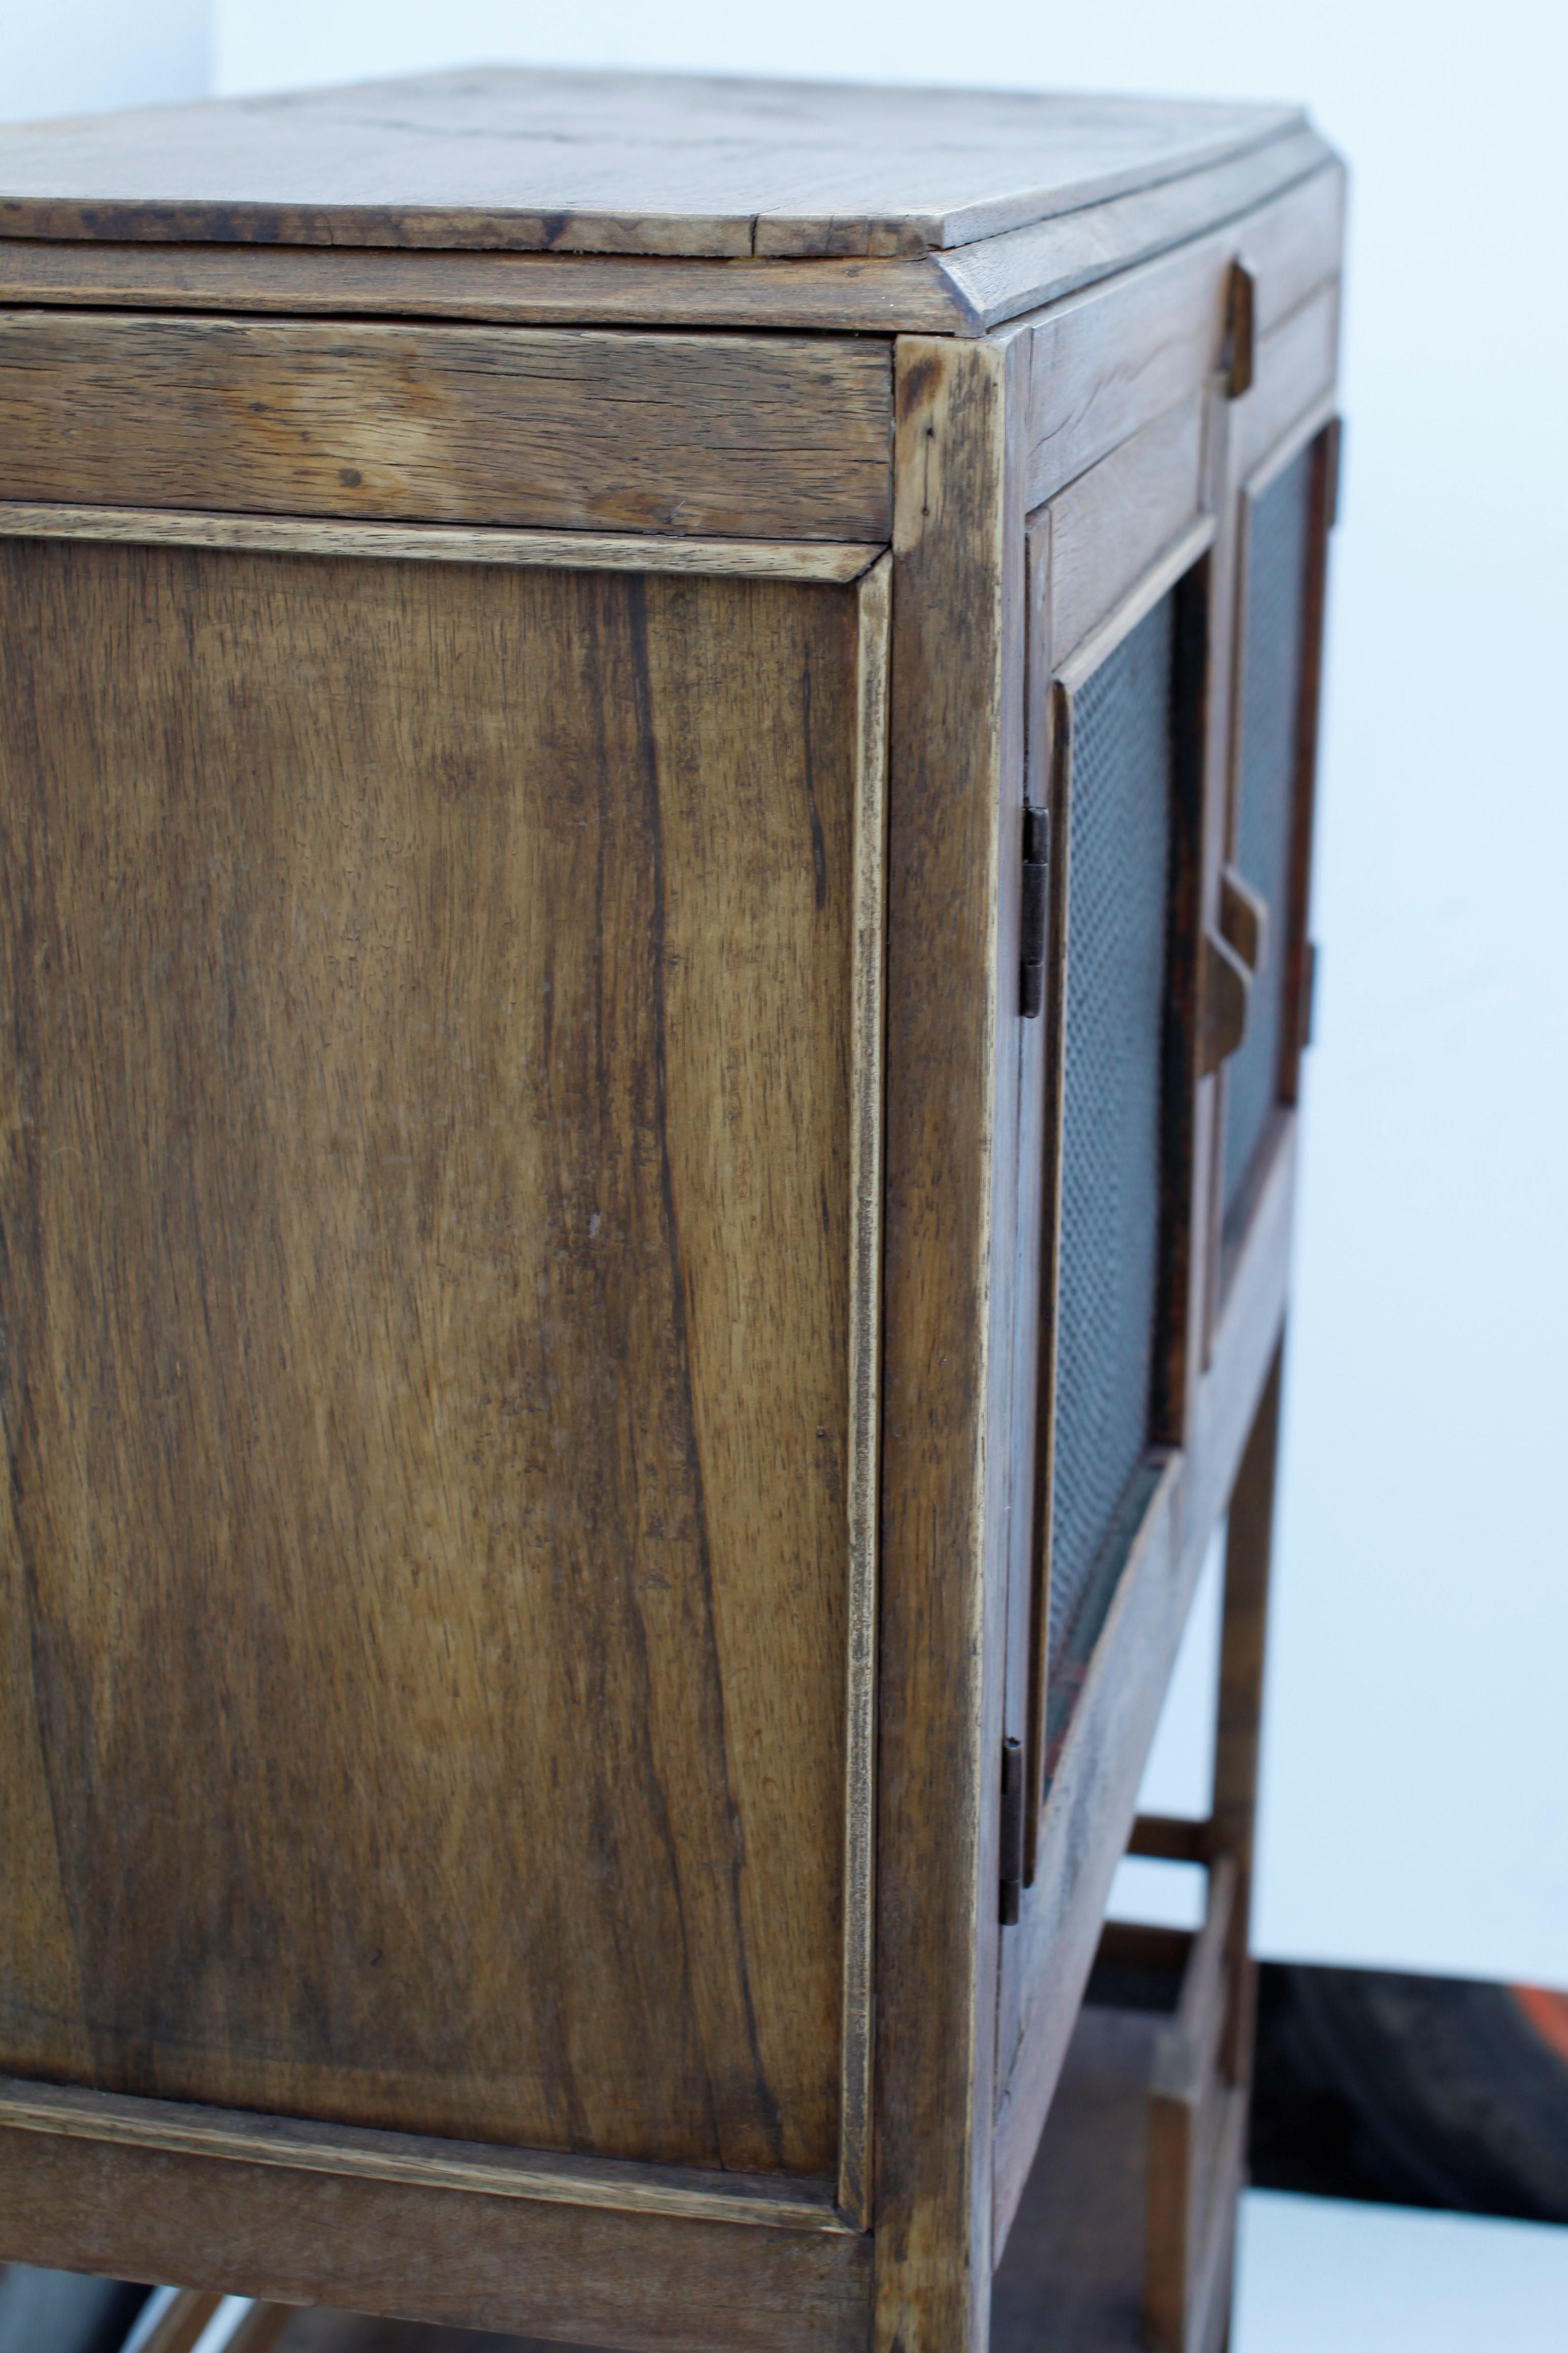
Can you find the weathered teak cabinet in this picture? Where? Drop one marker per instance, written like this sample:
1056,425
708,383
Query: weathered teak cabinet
655,783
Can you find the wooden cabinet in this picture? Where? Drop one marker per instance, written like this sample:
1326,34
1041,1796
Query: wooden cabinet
652,738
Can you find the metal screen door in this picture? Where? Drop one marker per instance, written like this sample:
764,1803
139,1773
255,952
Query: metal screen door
1119,824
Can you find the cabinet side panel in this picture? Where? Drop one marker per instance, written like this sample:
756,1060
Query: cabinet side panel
423,1250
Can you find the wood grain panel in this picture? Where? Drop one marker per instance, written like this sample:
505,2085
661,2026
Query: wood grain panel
1113,523
425,1215
784,437
649,2282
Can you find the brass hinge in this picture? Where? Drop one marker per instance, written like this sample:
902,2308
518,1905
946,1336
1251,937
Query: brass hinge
1032,925
1240,309
1012,1830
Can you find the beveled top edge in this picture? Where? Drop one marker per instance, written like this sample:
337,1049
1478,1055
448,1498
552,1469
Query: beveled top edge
518,160
966,293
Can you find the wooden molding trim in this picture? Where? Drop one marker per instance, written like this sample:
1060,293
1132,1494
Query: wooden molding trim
66,2112
657,2282
832,563
1139,600
867,1018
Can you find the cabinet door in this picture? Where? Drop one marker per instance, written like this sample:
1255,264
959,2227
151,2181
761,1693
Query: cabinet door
1284,519
1118,646
431,1041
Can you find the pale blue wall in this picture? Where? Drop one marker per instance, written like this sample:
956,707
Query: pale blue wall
72,56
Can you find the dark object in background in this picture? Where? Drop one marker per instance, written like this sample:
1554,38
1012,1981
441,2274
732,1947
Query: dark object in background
64,2312
1410,2091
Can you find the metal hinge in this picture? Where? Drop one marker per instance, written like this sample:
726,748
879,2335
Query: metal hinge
1032,926
1011,1838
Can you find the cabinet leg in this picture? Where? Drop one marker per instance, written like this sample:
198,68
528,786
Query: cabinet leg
1249,1539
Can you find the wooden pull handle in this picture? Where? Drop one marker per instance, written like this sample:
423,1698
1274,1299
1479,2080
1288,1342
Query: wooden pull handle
1226,994
1243,918
1241,308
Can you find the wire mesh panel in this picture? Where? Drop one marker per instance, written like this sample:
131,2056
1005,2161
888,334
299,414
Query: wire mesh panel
1273,654
1118,827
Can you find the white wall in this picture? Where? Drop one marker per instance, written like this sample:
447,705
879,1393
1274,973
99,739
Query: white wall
1416,1765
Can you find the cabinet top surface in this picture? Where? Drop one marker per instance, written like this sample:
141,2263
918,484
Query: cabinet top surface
502,158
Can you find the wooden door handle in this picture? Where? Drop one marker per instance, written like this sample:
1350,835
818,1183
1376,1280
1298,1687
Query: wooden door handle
1243,918
1226,995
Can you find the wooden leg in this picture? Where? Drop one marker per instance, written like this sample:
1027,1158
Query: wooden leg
1248,1545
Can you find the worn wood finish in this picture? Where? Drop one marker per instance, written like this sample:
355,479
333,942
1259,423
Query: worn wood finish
346,2332
1222,497
1250,1542
1195,2138
777,438
483,768
1295,363
867,1018
1039,1066
1225,1399
514,1432
954,823
1298,952
1177,559
1082,1836
528,290
1042,1087
1030,267
1315,426
565,551
966,293
1071,2278
1094,1788
1170,1838
1107,363
771,2201
580,2275
1198,2160
1112,526
607,162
